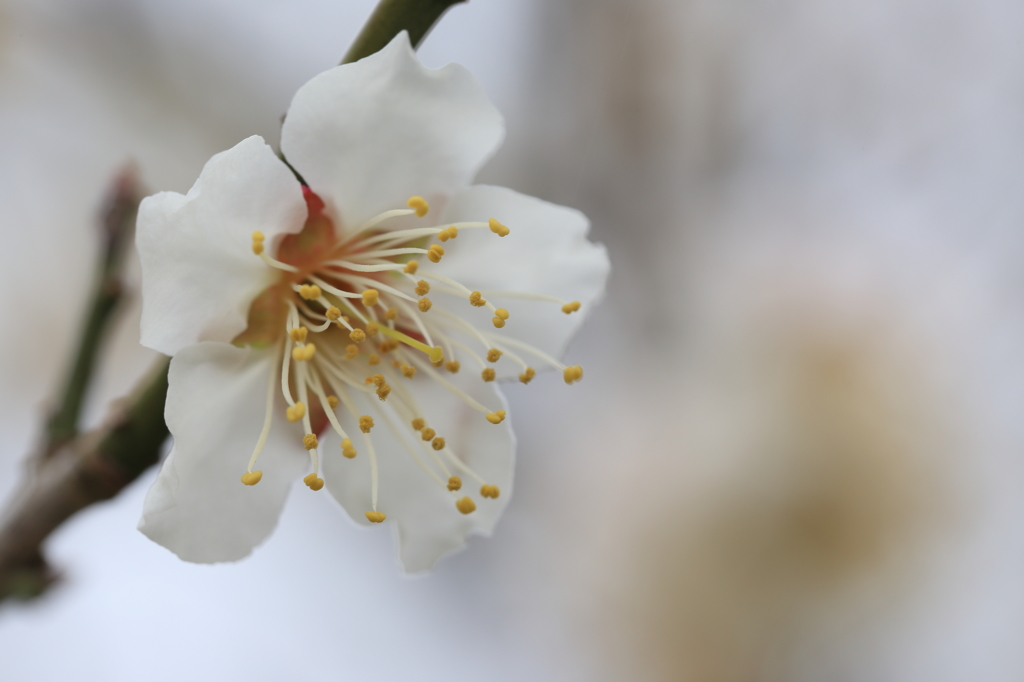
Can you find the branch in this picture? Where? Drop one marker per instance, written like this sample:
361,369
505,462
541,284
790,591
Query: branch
390,18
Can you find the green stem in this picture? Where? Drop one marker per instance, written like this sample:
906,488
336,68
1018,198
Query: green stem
390,18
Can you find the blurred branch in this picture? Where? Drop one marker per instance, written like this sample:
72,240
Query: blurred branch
74,471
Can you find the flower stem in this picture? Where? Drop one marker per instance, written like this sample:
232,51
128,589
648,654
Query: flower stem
390,18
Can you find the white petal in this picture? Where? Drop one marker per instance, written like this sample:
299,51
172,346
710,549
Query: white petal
198,508
199,273
367,136
546,252
429,525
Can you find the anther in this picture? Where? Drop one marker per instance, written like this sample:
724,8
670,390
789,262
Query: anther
493,355
332,400
377,380
374,359
452,366
500,315
497,228
391,314
370,297
365,423
477,299
434,253
310,292
418,423
420,204
411,267
313,481
372,328
422,287
298,334
569,308
454,483
527,376
572,373
383,392
333,314
490,491
253,477
375,517
309,441
488,374
357,336
351,351
347,448
295,412
428,434
437,443
497,322
424,304
496,417
448,233
304,352
408,371
466,505
257,248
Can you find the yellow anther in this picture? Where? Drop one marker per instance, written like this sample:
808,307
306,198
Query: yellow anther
357,336
257,242
389,345
527,376
569,308
372,328
383,392
313,481
490,491
306,352
374,359
452,366
391,314
476,299
411,267
332,400
310,292
497,228
437,443
488,374
408,371
375,517
428,433
572,373
448,233
377,380
309,441
466,505
496,417
420,204
298,334
497,322
418,423
422,287
347,448
454,483
370,297
434,253
365,423
493,354
253,477
257,236
436,354
502,313
396,364
351,351
333,314
424,304
295,412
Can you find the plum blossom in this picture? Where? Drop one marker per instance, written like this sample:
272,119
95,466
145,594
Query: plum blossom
345,316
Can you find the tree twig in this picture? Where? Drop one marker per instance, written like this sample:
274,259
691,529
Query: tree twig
390,18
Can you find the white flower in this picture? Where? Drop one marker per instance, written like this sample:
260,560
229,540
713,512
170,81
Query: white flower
324,330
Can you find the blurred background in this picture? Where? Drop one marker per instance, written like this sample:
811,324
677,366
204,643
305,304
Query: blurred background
797,451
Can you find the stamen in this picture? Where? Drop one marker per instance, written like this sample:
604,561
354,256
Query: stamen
419,204
295,412
347,448
573,373
452,366
365,423
422,288
391,314
370,297
298,334
418,423
376,516
570,308
411,267
488,374
448,233
527,376
313,481
424,304
357,336
454,483
310,292
466,505
496,417
490,491
493,355
497,228
500,315
251,477
434,253
437,443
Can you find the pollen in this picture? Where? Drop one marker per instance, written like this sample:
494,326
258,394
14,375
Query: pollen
466,505
572,373
365,423
310,292
375,516
253,477
309,441
347,448
370,297
493,355
490,491
454,483
452,366
357,336
257,248
295,412
496,417
408,371
527,376
391,314
434,253
333,314
424,305
418,423
420,204
428,434
411,267
477,299
422,287
449,233
351,351
488,374
332,400
497,228
437,443
298,334
570,308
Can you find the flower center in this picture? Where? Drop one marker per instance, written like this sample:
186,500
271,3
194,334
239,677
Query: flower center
351,314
